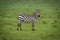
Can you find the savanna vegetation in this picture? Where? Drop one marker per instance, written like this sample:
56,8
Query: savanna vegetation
47,27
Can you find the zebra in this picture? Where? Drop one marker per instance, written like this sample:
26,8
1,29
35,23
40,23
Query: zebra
28,19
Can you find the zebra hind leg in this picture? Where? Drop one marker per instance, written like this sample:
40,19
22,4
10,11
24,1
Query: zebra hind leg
19,26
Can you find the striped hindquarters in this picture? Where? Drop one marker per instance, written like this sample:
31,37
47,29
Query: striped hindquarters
22,17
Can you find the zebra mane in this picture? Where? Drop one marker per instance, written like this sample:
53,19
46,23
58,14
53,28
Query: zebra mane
34,15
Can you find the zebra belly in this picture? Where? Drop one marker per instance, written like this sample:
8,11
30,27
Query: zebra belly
28,20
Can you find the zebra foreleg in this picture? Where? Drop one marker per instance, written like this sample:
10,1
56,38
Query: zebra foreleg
33,26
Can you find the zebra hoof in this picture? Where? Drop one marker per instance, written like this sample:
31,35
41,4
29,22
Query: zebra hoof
20,29
17,29
33,29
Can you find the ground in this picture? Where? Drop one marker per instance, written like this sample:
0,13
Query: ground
47,27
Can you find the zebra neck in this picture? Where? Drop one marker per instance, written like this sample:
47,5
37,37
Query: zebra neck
35,16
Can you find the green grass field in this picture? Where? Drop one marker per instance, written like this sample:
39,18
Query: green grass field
47,27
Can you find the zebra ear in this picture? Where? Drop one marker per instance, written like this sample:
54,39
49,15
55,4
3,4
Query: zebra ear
37,9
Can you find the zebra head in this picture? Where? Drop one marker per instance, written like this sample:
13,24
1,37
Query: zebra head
37,13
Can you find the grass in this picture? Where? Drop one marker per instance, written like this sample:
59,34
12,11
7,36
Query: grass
46,27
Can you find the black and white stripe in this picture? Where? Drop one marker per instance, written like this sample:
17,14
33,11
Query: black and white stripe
22,17
28,19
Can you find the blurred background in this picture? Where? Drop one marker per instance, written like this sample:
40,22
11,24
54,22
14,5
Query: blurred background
47,27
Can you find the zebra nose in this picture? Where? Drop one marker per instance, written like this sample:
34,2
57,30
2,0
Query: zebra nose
38,15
